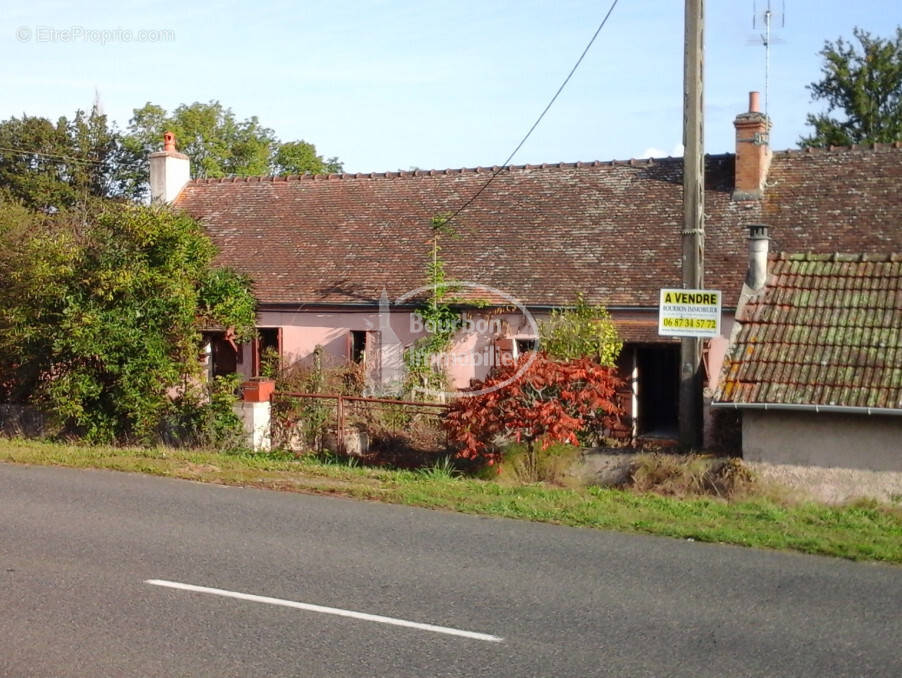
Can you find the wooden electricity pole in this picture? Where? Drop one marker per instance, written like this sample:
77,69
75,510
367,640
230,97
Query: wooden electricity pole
693,233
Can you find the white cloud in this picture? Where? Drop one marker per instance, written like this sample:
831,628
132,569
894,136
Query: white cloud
652,152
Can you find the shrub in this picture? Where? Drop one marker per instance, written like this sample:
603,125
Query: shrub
99,313
583,331
551,401
204,416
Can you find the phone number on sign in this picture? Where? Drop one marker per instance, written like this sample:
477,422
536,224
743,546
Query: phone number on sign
690,323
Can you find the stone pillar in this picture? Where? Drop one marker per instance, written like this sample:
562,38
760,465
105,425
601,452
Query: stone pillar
254,410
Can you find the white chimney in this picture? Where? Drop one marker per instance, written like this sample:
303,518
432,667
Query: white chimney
169,172
756,277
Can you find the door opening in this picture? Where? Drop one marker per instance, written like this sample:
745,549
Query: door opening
659,389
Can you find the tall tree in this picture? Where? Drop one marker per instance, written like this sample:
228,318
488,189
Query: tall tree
299,157
219,144
864,83
52,166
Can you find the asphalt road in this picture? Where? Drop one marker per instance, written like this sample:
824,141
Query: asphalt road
77,548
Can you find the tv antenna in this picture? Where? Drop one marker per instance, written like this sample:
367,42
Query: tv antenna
766,19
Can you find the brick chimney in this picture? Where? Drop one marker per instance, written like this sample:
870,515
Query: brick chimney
169,172
752,151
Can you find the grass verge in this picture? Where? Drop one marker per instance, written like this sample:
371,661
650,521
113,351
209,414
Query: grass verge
864,531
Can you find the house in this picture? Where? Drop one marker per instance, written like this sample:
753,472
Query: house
815,360
326,253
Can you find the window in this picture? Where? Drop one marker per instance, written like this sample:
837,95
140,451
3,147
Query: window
267,346
526,345
357,346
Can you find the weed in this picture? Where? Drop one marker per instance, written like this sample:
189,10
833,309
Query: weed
691,475
531,463
442,469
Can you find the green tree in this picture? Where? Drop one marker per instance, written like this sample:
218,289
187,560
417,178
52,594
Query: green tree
52,166
299,157
99,312
219,144
864,83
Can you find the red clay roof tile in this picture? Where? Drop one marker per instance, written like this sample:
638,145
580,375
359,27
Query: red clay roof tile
849,353
540,233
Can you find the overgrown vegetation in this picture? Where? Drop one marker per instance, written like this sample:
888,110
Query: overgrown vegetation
425,373
527,463
691,475
99,313
304,424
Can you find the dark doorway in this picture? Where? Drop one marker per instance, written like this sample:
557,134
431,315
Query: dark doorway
225,357
357,346
267,351
659,387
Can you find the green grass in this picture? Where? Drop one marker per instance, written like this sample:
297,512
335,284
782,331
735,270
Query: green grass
863,531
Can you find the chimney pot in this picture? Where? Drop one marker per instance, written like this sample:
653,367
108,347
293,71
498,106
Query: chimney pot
754,102
169,142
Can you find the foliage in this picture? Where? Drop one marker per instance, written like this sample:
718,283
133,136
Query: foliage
223,301
583,331
204,416
551,401
299,157
98,313
439,319
53,166
219,144
863,82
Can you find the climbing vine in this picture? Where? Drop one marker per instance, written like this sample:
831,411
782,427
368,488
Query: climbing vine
423,359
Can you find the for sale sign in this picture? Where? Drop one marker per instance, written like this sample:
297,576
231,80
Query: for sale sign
689,313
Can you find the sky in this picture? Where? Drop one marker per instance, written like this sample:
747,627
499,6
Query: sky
402,84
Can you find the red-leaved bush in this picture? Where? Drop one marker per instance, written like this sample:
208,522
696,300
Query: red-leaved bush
551,401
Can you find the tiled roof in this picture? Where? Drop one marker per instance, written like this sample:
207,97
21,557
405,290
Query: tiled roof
825,330
541,233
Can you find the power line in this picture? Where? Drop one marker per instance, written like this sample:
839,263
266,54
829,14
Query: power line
539,119
51,156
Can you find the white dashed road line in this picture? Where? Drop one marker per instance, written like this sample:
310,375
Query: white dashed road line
325,610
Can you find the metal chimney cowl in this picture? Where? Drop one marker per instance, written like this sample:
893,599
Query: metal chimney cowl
756,277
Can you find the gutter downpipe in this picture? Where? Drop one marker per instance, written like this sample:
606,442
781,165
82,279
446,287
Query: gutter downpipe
837,409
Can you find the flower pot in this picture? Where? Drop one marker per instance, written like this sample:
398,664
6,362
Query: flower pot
258,390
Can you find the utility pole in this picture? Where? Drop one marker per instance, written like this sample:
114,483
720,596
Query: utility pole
693,233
